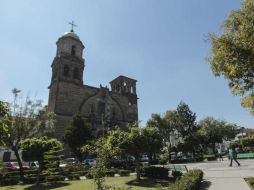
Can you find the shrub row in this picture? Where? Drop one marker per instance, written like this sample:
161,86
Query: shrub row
250,181
210,157
187,160
12,178
189,181
30,176
110,173
154,172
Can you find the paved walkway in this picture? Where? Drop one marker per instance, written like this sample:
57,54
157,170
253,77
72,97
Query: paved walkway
219,176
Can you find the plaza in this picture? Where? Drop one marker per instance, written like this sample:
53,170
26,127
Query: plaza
219,176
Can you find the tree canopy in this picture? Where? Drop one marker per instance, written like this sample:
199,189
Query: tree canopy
77,135
167,127
39,149
4,110
214,131
24,120
232,53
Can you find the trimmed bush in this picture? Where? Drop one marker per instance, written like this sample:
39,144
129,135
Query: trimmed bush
189,181
155,172
210,157
53,178
110,172
199,159
250,181
176,174
124,172
247,141
13,180
75,167
75,175
89,175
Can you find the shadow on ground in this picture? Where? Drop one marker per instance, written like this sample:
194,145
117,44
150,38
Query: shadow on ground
149,183
205,185
47,186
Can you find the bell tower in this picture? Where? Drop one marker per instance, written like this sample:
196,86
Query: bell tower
68,65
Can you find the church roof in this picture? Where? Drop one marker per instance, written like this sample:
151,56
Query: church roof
121,77
71,34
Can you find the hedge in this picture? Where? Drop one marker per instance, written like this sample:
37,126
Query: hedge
210,157
30,177
189,181
154,172
124,172
247,141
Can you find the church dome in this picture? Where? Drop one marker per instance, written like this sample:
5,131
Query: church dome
71,34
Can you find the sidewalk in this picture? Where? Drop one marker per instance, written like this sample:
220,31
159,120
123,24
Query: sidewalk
219,176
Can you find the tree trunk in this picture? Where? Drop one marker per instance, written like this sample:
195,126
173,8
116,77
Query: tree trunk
38,174
21,172
169,155
137,168
150,158
79,155
214,150
193,153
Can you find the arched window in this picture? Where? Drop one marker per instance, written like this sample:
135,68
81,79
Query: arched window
132,90
76,73
66,71
73,50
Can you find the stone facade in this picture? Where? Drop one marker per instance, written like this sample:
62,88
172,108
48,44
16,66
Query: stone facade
68,95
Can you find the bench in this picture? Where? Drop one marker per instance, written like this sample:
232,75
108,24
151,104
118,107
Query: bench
245,155
180,168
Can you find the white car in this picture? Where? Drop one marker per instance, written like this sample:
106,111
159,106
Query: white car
144,158
34,165
70,160
62,165
90,162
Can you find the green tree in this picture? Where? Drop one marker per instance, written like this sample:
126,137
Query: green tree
37,149
77,135
166,126
100,149
214,131
186,126
247,141
130,142
153,141
232,53
4,111
185,120
25,121
135,145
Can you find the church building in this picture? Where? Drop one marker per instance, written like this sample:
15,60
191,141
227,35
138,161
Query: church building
69,95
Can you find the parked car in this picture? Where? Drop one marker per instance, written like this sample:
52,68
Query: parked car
11,166
144,158
34,165
25,165
62,165
90,162
67,161
70,160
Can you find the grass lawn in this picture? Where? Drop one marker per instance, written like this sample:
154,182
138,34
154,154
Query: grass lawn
89,185
250,182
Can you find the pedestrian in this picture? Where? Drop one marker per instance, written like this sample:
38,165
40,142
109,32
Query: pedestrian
220,154
232,156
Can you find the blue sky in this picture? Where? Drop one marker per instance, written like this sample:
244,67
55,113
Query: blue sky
161,43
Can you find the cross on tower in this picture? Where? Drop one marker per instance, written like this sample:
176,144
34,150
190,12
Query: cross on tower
72,25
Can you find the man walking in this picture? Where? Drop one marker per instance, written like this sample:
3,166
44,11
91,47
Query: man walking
220,154
232,156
